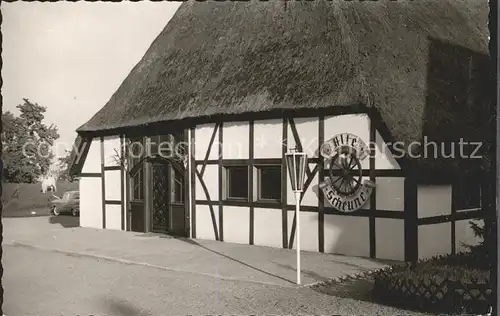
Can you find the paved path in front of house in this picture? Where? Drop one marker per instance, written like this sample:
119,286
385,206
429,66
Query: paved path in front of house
210,258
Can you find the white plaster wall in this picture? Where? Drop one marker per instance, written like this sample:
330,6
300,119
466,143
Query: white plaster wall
433,200
235,140
113,185
90,202
113,217
310,196
93,160
366,206
390,239
211,180
111,149
359,125
390,194
308,131
236,224
268,138
268,227
465,235
308,230
384,158
433,240
347,235
203,134
204,227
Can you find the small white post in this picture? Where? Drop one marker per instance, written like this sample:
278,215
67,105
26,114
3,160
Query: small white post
297,216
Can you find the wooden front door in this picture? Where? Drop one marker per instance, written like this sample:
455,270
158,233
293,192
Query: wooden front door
159,205
168,207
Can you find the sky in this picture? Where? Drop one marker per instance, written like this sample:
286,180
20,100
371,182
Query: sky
71,57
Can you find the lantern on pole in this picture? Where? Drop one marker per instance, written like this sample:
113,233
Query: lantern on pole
297,162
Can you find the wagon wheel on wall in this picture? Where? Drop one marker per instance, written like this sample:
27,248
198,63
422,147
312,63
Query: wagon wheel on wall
345,173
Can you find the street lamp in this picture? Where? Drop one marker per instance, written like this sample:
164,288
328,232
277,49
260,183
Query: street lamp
296,162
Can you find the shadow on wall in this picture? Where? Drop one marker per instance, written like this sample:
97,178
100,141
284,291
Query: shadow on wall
457,104
339,230
456,107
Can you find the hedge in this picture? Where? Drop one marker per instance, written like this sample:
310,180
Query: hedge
444,284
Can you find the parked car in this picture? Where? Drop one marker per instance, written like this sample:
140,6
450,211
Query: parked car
69,203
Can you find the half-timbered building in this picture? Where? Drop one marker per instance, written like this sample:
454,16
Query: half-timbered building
193,142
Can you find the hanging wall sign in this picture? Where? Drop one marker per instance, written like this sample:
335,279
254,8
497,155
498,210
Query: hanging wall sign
344,188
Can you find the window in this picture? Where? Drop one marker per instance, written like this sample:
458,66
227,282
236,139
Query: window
136,153
269,183
178,190
136,149
137,187
467,194
237,182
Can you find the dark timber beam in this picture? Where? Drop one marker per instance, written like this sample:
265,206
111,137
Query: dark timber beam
284,182
103,186
321,197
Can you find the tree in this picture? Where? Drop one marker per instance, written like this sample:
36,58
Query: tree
27,143
64,164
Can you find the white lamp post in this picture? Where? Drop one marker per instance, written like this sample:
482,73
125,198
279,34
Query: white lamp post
297,162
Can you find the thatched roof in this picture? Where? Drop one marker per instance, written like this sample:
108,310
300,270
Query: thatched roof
78,154
406,58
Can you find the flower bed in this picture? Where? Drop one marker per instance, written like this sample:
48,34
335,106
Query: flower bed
446,284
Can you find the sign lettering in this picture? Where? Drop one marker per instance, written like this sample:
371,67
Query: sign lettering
345,189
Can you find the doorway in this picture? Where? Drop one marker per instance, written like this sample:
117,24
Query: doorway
136,188
160,203
168,207
157,185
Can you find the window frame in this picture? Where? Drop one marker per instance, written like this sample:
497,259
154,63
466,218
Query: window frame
227,183
173,190
258,183
137,181
133,161
459,186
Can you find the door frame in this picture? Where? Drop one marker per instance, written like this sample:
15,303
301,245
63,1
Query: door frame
149,161
146,163
130,193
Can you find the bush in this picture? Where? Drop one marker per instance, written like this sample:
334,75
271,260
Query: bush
479,254
446,284
449,284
